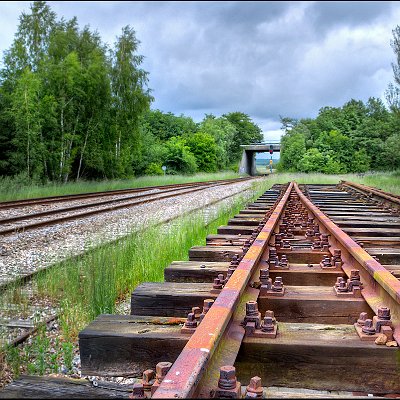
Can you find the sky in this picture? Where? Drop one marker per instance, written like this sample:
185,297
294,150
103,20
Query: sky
266,59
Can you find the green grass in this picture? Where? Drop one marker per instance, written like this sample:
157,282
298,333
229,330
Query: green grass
93,283
13,189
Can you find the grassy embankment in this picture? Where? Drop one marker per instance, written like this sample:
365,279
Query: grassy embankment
12,189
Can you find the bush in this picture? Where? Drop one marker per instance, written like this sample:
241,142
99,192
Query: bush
178,157
154,169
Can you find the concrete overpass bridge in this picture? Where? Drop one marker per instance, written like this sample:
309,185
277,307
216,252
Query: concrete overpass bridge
248,162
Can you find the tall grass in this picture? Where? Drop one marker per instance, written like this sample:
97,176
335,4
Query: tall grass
15,189
91,284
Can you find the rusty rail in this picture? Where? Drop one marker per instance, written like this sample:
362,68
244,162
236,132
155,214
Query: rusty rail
185,374
374,191
387,292
79,196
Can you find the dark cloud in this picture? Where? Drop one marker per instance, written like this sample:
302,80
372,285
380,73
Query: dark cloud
263,58
328,14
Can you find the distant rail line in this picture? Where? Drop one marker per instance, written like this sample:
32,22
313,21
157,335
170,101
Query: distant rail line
15,224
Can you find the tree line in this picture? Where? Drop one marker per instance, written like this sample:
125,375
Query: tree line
72,107
357,137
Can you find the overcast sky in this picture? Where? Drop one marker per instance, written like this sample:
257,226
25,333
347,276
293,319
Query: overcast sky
262,58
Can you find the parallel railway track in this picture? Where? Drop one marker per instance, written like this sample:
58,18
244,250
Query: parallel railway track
295,291
18,223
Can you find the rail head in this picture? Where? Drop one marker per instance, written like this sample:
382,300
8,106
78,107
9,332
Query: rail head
188,369
372,190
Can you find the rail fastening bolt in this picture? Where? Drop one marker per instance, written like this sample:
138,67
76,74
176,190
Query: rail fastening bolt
384,313
251,308
227,377
255,387
162,369
137,391
361,320
148,379
368,327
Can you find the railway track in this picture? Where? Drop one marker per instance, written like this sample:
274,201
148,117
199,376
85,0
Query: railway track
19,223
299,290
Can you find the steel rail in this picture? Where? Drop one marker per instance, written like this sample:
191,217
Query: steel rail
83,206
35,225
377,192
79,196
185,374
381,287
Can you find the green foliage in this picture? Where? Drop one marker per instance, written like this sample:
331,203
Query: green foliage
292,149
204,148
361,161
223,133
154,169
246,132
312,161
178,157
352,138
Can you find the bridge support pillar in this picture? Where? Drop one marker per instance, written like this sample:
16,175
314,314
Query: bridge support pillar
248,163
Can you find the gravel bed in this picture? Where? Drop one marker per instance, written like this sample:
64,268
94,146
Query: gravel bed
119,201
26,252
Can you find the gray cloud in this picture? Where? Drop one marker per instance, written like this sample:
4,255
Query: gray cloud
263,58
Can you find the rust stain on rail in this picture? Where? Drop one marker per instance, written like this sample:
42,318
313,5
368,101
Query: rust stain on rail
185,374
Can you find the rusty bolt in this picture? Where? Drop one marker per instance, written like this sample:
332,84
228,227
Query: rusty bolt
267,325
368,327
191,321
137,392
251,308
264,275
384,313
278,285
355,275
207,303
361,320
196,311
227,377
270,313
217,284
148,379
162,369
338,280
230,272
255,387
342,286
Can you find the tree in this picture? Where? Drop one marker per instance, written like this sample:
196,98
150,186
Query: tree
311,161
292,149
130,99
247,132
178,157
223,132
204,148
27,141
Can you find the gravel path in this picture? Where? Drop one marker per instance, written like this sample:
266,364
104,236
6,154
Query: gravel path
25,253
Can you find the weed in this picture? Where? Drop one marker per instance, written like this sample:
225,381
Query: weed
68,354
